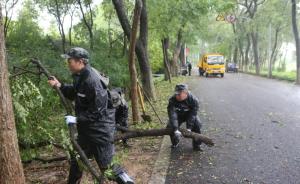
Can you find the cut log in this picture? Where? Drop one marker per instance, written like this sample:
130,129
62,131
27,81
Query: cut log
161,132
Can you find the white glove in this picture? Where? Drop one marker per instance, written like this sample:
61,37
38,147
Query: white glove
70,119
177,133
189,130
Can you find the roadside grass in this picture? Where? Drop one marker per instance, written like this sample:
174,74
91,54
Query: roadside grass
287,75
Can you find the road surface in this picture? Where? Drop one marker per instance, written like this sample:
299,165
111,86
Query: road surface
255,123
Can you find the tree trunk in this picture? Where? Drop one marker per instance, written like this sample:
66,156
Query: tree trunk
71,27
60,26
8,10
174,64
263,57
272,58
242,58
146,72
165,47
124,50
255,52
89,25
132,69
7,21
70,35
251,9
11,169
297,41
275,56
182,55
247,53
235,54
6,24
109,34
141,48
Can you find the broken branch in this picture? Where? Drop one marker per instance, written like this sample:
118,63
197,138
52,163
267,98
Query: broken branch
161,132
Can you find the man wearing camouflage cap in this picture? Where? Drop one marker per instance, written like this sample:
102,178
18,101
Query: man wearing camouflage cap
95,115
183,107
122,110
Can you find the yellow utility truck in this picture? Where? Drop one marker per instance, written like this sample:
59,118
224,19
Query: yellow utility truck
211,64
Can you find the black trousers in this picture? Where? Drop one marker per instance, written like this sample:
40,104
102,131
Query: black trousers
125,125
195,127
103,154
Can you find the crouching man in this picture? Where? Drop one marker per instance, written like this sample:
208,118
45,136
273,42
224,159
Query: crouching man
95,116
121,106
183,107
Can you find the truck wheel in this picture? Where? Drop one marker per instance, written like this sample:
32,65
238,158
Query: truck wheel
222,75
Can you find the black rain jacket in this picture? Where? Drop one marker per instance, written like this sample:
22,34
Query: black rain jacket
183,111
95,116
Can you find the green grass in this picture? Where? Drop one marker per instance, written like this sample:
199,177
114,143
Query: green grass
288,75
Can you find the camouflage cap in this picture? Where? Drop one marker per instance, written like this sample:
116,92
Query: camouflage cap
180,87
76,52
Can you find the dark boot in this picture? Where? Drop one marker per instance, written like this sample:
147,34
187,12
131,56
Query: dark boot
197,148
121,176
125,143
175,141
75,172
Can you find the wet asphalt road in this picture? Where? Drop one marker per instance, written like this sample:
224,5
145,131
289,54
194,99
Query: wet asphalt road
255,123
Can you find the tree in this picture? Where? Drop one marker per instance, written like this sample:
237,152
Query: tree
59,9
273,18
71,11
11,170
251,7
25,34
88,18
297,41
141,48
131,64
165,47
8,10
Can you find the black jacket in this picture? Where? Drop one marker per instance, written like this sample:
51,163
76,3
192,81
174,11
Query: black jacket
189,66
122,115
95,117
183,111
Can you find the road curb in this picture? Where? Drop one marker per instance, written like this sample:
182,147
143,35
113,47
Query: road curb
161,165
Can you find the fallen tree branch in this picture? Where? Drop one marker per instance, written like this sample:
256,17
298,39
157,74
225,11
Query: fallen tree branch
44,160
161,132
24,145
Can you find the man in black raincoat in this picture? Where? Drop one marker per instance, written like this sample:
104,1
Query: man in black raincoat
189,66
183,107
95,116
121,106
